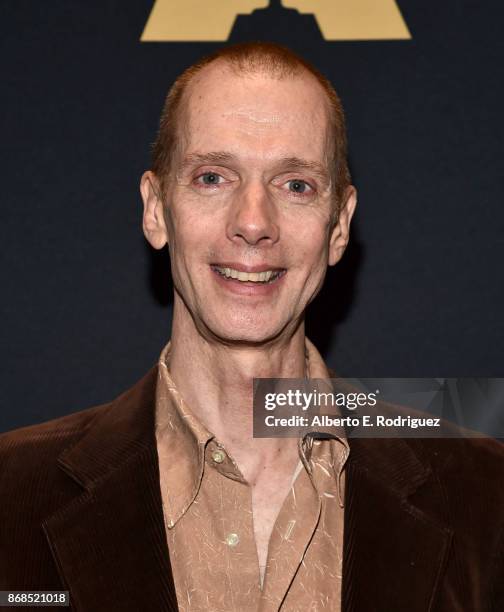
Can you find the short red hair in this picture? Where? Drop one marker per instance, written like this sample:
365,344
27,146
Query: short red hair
270,58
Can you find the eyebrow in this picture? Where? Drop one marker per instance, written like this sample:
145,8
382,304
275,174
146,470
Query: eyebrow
295,163
214,157
286,163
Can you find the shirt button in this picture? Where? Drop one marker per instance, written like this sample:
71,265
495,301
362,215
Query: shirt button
232,539
218,456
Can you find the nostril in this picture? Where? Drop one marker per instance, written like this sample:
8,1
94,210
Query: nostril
254,239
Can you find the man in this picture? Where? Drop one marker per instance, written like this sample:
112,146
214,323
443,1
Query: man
163,499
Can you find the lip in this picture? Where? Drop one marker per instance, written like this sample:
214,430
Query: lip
248,288
243,268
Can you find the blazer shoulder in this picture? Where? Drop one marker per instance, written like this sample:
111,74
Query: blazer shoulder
31,481
479,452
29,450
33,446
468,468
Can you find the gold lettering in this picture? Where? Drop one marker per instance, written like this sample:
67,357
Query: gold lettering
212,20
195,20
355,19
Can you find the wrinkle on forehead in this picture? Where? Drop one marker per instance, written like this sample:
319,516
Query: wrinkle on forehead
207,91
251,114
256,107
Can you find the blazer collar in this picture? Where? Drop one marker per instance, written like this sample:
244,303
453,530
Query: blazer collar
110,546
109,543
394,553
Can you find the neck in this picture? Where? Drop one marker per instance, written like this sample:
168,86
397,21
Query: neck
216,381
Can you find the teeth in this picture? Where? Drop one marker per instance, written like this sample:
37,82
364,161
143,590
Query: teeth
254,277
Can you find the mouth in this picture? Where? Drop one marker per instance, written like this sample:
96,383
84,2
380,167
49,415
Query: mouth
262,277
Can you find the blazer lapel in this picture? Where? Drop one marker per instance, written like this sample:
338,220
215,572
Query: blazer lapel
109,543
394,554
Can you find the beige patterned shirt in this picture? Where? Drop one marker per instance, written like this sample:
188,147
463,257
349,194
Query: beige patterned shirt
209,523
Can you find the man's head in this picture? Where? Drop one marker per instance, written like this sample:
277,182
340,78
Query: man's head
248,179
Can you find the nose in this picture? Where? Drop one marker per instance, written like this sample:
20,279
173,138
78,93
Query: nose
253,217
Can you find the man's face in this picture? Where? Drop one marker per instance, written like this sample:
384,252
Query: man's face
250,207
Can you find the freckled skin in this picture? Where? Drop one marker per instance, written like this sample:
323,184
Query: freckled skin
252,217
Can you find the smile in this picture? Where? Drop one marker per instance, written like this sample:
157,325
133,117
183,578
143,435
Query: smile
264,277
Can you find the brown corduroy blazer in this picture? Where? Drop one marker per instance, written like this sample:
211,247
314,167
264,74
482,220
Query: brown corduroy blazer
80,510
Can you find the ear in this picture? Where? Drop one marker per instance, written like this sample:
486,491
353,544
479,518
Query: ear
154,226
341,231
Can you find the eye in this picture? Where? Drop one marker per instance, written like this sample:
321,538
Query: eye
299,186
209,178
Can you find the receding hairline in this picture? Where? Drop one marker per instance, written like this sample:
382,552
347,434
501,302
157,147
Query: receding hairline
246,60
254,65
244,70
298,72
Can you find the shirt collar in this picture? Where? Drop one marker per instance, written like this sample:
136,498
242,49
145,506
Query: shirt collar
339,446
182,440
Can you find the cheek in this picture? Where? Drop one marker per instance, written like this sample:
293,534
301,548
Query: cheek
179,240
194,234
308,242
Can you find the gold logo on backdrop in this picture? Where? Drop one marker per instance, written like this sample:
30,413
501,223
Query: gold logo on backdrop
212,20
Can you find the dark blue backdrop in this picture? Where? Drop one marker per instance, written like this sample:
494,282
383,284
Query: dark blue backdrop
86,307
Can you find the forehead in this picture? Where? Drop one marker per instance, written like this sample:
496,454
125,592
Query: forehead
255,114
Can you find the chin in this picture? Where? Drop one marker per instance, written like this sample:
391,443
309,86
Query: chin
245,333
